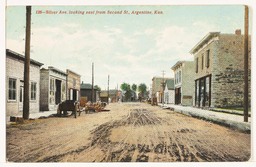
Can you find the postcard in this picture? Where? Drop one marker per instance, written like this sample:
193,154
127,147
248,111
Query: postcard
128,83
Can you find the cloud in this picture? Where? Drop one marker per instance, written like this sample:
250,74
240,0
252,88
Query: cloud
128,56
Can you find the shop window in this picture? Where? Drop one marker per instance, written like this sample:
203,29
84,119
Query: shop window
52,91
63,91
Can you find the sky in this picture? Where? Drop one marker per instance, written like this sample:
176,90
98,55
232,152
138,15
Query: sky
129,48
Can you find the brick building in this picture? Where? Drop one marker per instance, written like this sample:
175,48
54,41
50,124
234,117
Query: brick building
184,82
73,85
15,83
52,88
219,70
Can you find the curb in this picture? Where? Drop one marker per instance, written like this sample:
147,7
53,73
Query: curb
241,126
229,112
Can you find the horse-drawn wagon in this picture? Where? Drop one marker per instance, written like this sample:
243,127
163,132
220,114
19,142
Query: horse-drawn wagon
68,105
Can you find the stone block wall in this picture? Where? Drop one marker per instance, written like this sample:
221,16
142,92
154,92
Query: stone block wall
228,73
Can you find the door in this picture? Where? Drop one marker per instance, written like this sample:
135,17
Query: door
58,91
74,94
21,91
177,95
202,92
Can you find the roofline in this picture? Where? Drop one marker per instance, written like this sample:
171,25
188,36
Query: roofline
206,38
157,77
68,70
57,70
88,85
176,64
22,57
180,62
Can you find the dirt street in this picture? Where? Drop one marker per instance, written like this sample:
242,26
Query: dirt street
129,132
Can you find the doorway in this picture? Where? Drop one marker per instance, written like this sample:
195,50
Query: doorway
58,91
21,91
74,95
177,95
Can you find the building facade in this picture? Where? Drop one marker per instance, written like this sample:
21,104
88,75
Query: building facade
169,92
86,92
112,95
158,88
219,70
15,84
52,87
183,82
73,85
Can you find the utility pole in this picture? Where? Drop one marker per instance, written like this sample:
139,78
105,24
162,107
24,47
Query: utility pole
246,104
163,72
92,82
27,64
108,89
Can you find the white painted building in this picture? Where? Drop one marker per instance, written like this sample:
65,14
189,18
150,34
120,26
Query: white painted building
169,93
53,88
183,82
15,83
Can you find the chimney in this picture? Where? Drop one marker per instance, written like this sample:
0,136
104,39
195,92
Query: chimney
238,32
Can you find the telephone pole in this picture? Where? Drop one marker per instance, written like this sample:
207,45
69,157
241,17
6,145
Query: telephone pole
27,64
92,82
246,104
163,72
108,89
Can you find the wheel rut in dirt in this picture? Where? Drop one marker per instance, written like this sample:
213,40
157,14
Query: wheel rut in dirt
124,151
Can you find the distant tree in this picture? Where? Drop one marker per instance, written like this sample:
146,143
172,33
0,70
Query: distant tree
125,87
134,87
142,89
97,88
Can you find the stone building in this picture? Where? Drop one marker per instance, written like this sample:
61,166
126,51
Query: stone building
169,91
184,82
219,70
15,83
73,85
157,88
52,88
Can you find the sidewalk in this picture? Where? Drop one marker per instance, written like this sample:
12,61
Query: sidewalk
35,115
229,120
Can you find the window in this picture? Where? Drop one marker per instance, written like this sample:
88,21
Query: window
179,76
175,78
74,82
203,61
52,100
21,94
63,91
197,65
33,91
12,89
207,58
